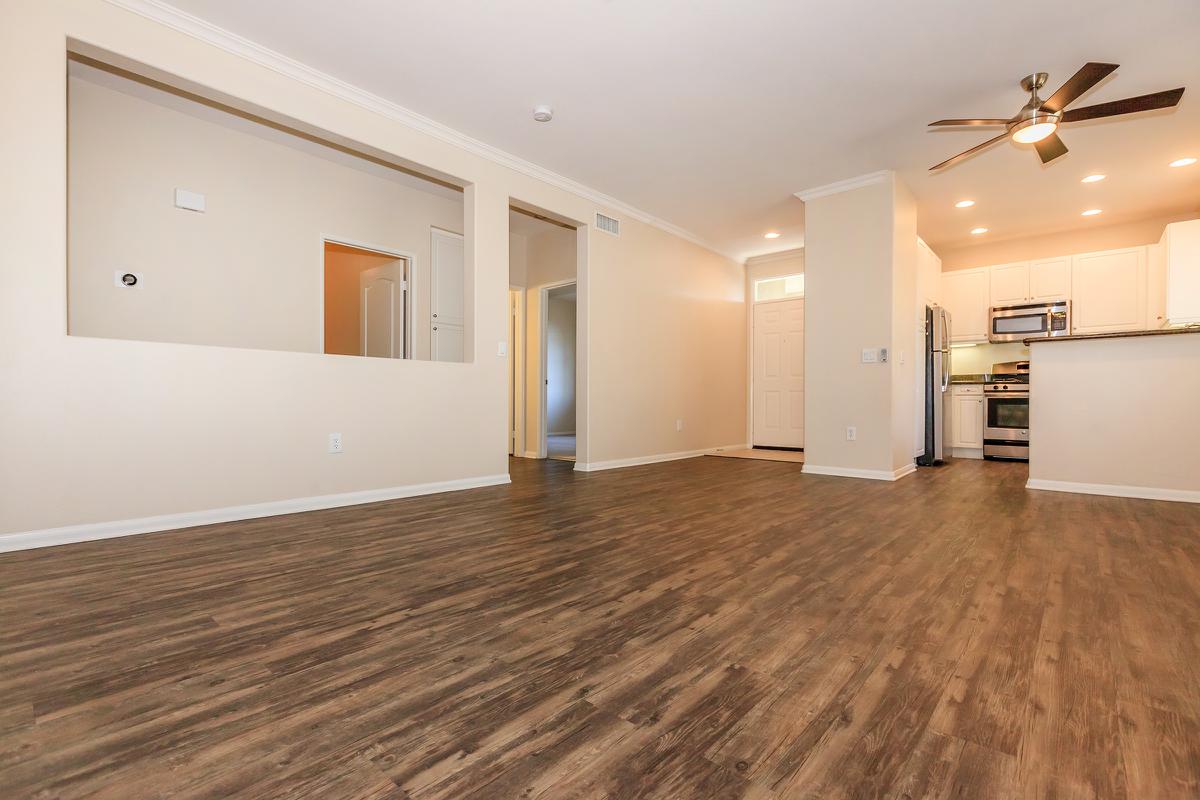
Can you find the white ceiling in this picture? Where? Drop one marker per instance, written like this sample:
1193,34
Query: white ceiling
710,114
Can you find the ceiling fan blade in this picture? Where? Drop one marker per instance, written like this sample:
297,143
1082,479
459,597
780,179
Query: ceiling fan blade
966,153
970,122
1050,148
1130,105
1088,76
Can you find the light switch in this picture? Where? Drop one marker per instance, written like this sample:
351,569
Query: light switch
502,349
189,201
870,355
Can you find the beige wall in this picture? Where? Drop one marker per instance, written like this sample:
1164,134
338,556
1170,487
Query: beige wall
248,272
904,318
343,306
662,321
1083,240
1138,430
848,307
560,363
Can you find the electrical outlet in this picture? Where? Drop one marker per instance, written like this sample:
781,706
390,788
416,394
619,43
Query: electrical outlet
678,424
851,434
335,443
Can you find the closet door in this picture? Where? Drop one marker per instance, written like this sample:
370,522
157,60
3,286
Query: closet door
447,278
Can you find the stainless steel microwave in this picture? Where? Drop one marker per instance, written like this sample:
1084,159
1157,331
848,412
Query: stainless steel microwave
1033,321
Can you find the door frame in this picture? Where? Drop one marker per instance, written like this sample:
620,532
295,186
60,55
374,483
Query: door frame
754,304
543,343
410,271
516,354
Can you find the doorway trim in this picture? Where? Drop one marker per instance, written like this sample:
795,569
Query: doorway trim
543,357
410,271
516,354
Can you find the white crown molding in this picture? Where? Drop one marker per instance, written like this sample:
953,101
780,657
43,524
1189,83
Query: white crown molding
870,474
658,458
51,537
230,42
1114,490
782,255
844,186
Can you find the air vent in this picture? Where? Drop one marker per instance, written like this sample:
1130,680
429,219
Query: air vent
608,224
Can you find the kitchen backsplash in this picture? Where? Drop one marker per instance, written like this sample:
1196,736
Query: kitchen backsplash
981,357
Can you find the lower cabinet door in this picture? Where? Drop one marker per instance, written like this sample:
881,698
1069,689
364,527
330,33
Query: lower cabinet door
968,422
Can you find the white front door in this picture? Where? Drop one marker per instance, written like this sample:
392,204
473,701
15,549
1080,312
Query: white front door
381,298
779,373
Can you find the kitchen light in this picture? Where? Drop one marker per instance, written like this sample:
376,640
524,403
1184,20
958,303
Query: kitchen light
962,344
978,231
1035,132
1183,162
771,235
1093,178
964,204
1091,212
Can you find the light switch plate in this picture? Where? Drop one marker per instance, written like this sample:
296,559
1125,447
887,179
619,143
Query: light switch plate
502,349
870,355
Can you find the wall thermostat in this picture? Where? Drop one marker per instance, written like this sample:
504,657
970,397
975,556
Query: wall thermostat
124,279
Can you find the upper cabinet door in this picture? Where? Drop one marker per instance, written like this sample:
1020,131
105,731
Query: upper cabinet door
1108,291
1181,252
1010,284
965,295
1050,279
447,277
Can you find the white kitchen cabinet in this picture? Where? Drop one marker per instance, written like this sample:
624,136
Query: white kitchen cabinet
966,417
1050,279
1108,291
1009,284
966,294
1156,286
1181,251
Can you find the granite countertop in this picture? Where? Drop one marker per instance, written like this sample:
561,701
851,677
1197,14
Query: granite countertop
975,377
1117,335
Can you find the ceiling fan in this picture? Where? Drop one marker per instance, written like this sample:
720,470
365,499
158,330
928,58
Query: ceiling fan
1037,122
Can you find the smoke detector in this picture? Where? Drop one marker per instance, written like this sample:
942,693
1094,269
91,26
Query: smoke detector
543,113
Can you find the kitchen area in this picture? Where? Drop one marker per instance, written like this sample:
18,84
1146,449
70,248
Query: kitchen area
1016,330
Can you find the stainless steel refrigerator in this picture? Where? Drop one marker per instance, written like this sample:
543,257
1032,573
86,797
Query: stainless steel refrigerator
937,384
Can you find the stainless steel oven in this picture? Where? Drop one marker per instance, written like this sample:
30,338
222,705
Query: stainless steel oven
1006,421
1032,321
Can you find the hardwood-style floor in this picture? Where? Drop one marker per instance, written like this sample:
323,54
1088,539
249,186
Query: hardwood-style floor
711,628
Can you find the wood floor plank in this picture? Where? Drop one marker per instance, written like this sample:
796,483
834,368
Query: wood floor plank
708,628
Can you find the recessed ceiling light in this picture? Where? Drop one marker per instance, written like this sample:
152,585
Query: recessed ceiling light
543,113
978,231
1183,162
1091,212
1093,178
771,235
964,204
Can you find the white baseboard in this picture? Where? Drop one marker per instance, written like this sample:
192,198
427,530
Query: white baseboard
870,474
1114,490
617,463
50,537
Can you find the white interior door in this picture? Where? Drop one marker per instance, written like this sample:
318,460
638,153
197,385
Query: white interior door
381,298
779,374
448,278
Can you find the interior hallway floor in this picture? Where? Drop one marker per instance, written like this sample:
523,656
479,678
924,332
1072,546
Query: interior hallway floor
560,446
709,628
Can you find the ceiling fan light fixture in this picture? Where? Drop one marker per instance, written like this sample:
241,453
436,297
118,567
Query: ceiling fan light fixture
1034,129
